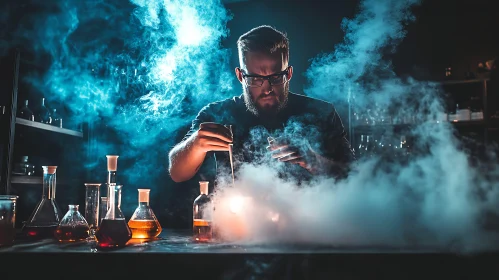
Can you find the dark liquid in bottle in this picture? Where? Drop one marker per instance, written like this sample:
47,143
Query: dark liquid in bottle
39,232
202,231
71,234
113,233
7,234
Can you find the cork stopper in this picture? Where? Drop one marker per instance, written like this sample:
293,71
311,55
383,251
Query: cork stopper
49,169
203,187
112,163
144,195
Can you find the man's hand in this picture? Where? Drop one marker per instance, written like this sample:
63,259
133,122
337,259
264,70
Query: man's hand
212,137
284,152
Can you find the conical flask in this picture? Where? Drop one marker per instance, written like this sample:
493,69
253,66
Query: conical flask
144,223
73,226
45,218
113,230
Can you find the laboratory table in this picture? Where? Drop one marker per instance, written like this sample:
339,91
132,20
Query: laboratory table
173,255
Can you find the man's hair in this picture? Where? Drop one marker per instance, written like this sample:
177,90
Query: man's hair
263,39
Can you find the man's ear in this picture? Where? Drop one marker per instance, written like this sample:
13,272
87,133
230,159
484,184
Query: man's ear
290,73
239,74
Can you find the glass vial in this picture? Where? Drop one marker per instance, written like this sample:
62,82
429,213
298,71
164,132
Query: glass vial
44,114
92,196
202,215
7,219
45,218
113,231
144,223
26,113
73,227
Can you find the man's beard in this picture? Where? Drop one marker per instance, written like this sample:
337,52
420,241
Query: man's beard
252,105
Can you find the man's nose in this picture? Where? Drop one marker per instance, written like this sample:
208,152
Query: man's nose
267,87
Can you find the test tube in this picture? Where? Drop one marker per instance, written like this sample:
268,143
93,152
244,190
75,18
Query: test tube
92,206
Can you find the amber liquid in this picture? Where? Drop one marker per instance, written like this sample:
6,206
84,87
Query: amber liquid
7,234
144,228
71,234
202,231
113,233
39,232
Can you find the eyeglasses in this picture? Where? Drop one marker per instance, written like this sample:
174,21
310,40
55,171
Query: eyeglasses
274,79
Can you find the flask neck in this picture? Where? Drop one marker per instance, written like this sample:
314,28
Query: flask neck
49,183
111,177
114,202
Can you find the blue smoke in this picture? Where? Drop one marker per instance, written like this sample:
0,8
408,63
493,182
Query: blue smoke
138,72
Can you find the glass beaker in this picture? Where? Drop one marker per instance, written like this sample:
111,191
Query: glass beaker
92,195
7,219
113,230
45,218
73,227
144,223
202,215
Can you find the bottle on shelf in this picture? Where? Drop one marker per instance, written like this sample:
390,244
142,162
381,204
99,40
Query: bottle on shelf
44,115
25,112
56,119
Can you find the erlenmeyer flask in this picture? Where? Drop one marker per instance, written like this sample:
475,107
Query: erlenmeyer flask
45,218
73,227
113,230
143,222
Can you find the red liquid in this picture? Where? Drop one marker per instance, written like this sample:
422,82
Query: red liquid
71,234
7,234
39,232
113,233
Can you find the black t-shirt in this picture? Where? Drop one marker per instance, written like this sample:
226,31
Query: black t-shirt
305,121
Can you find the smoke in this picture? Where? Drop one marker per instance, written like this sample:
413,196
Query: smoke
136,71
437,198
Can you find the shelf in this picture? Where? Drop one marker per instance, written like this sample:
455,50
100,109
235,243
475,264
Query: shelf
36,180
457,82
49,127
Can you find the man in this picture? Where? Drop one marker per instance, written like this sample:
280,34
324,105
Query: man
306,135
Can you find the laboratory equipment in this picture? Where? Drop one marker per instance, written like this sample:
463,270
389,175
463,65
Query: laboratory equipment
113,230
45,218
144,223
44,114
73,227
92,196
7,219
202,215
26,113
112,169
102,208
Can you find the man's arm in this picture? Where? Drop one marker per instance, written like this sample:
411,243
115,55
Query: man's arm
187,157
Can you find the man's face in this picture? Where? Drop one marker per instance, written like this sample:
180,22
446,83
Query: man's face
266,100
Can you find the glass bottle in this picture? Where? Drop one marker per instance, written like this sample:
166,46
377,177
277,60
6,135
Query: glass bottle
26,113
92,196
113,231
56,119
44,114
144,223
7,219
24,167
45,218
73,227
202,215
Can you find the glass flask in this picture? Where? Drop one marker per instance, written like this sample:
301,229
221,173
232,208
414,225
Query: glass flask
113,231
26,113
102,208
7,219
92,196
44,114
112,169
144,223
73,227
45,218
202,215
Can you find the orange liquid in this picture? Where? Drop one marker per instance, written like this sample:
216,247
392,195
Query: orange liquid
71,234
144,228
202,231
